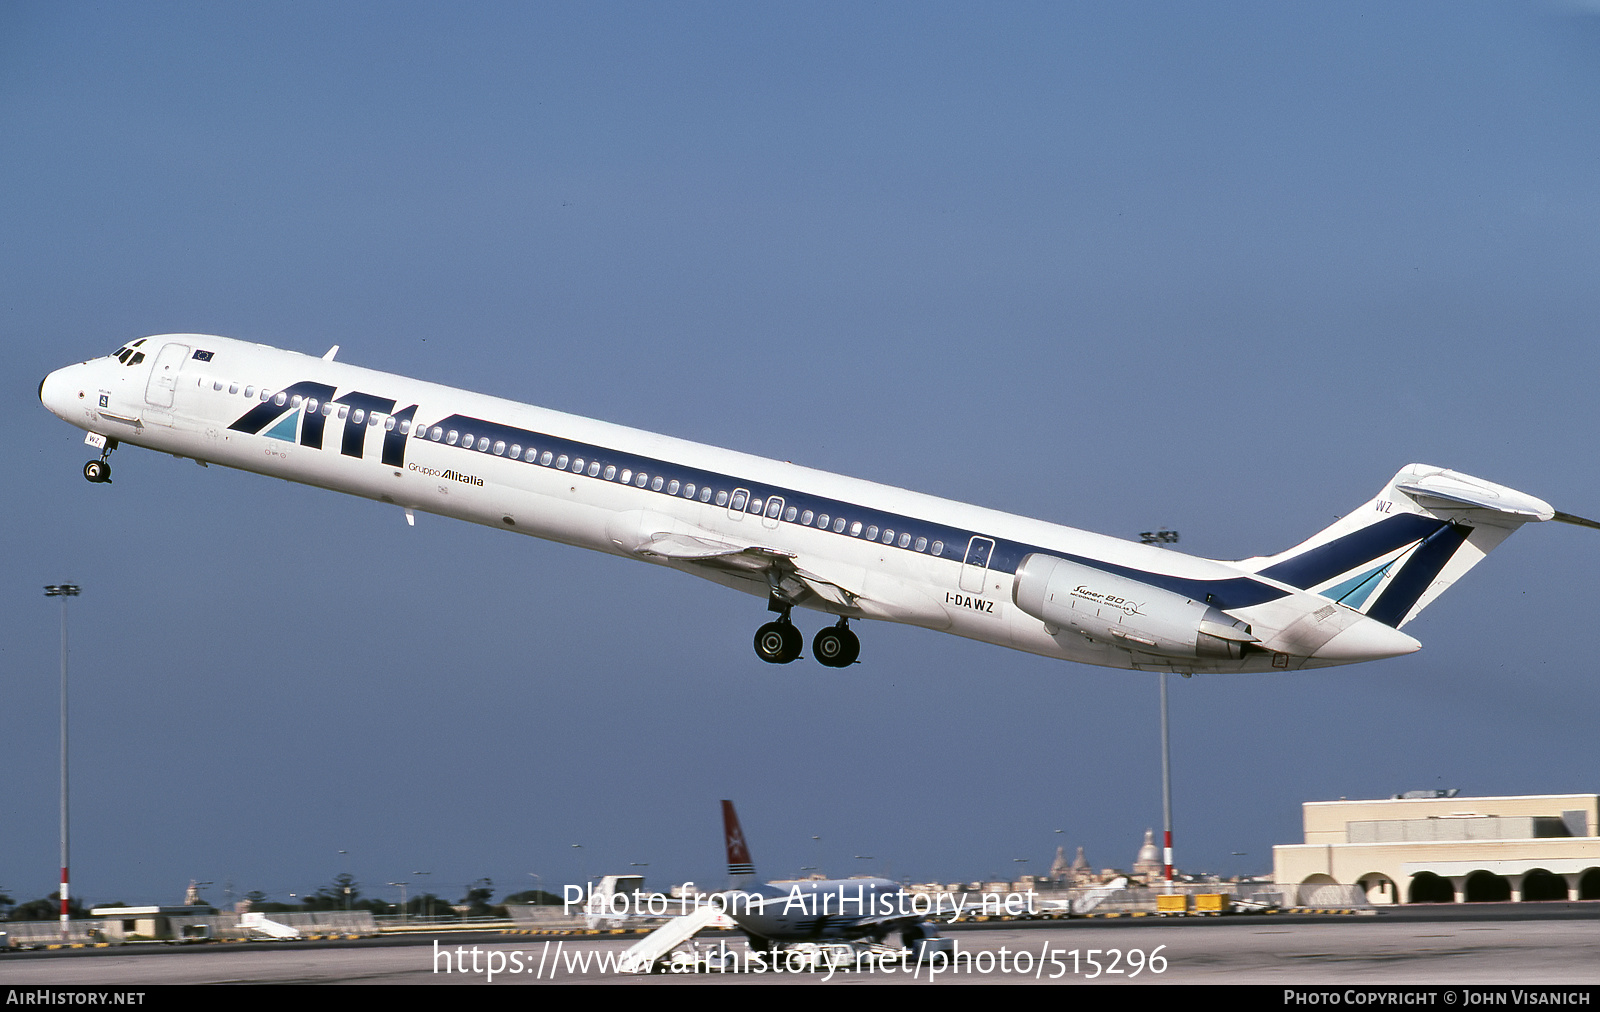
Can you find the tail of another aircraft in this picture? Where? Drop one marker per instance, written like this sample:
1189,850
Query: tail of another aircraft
1392,557
740,868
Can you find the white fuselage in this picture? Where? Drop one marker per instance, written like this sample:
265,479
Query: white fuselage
882,552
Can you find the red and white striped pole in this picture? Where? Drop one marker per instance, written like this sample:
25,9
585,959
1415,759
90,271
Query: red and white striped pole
63,591
1166,790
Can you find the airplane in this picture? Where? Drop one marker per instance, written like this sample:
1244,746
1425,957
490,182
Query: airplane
799,537
811,910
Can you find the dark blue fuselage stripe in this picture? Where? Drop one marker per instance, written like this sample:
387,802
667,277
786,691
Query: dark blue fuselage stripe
1418,574
1237,592
1344,554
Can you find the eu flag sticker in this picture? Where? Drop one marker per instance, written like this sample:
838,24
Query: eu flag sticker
202,356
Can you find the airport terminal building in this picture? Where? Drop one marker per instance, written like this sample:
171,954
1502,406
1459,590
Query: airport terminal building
1449,849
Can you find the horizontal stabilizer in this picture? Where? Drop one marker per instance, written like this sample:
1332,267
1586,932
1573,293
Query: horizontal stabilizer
1392,557
1568,518
1449,490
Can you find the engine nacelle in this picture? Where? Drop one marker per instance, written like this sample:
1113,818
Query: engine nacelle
1123,612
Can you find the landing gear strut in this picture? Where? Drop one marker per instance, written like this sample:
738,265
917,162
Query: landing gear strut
99,471
779,642
836,646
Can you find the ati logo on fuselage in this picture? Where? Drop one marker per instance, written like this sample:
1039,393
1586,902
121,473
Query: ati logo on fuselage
305,408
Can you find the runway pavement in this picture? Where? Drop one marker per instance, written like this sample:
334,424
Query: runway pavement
1488,950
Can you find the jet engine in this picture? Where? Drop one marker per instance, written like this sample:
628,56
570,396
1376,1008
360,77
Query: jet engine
1115,609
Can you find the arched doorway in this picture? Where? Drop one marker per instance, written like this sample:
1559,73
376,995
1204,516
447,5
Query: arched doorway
1426,887
1539,884
1589,884
1487,887
1380,888
1312,886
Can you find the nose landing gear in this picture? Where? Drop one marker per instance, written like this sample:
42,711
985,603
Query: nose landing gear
99,471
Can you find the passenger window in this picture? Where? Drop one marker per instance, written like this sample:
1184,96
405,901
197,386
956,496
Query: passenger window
561,462
938,548
249,391
499,448
655,486
594,468
672,487
773,506
577,466
372,419
388,425
805,519
905,540
545,458
437,433
838,526
233,388
358,416
872,532
327,408
216,384
790,513
688,490
310,402
822,521
722,498
278,400
855,529
922,544
451,437
627,475
738,501
343,411
705,494
611,471
888,537
640,478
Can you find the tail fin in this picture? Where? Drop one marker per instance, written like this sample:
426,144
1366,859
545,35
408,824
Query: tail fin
740,867
1392,557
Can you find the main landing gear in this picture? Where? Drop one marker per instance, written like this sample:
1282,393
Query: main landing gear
836,646
780,642
99,471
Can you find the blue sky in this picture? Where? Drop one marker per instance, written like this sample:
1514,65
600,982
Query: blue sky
1223,267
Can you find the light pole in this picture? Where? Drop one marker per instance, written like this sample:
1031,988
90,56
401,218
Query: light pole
1164,537
63,591
427,904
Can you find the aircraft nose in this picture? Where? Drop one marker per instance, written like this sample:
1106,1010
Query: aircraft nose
57,392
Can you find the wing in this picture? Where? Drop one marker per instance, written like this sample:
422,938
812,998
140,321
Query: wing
653,535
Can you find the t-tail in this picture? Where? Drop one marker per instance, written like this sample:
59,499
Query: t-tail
740,868
1392,557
